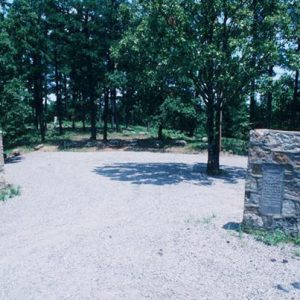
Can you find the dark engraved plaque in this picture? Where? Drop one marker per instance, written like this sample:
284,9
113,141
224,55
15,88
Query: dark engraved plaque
272,189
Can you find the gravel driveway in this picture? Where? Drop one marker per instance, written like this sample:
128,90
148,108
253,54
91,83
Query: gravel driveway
124,225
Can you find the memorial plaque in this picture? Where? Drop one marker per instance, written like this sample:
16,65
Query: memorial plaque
270,194
272,189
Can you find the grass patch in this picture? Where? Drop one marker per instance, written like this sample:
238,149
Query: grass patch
206,221
272,238
78,138
235,146
197,146
9,192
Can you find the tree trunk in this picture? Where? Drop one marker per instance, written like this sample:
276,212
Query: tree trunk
128,106
65,93
38,96
115,119
83,114
40,107
93,115
105,114
220,128
160,131
58,96
127,110
34,117
74,100
252,105
253,67
213,133
43,128
295,104
46,111
269,100
93,109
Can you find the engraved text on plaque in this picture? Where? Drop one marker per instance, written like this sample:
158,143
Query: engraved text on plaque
272,189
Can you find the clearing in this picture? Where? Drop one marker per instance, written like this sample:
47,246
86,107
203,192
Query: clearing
134,225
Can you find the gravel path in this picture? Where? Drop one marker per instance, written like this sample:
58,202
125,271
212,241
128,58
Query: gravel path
124,225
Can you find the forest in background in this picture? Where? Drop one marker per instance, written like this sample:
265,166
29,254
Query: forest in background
219,67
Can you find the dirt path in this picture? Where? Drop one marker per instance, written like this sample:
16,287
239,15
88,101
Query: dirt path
124,225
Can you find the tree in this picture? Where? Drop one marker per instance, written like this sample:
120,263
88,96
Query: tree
293,59
160,62
216,50
28,30
14,111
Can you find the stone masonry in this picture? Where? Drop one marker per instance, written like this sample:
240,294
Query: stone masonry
2,181
272,197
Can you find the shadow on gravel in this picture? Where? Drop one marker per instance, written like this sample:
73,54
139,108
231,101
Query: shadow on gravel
232,226
167,173
13,159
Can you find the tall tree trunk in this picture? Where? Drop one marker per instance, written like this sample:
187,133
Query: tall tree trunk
254,34
36,109
160,131
58,95
74,100
252,105
46,111
93,106
105,114
34,117
269,100
295,102
128,106
83,112
42,125
296,106
220,128
65,93
40,106
93,115
214,135
115,119
38,95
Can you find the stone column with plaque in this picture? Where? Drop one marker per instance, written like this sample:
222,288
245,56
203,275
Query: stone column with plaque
2,181
272,197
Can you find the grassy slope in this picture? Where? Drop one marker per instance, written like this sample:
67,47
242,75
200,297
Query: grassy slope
132,138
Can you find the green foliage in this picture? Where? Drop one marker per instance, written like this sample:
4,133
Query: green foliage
235,146
14,111
180,66
9,193
179,115
273,238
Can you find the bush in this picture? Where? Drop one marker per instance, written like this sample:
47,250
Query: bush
235,146
179,115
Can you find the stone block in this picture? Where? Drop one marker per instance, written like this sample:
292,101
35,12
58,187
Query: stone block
272,197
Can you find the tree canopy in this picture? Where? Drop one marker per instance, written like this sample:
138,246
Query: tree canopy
225,66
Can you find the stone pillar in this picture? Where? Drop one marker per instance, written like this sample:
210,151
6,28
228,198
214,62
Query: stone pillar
2,181
272,197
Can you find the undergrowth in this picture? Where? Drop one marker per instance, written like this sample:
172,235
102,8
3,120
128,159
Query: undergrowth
271,238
